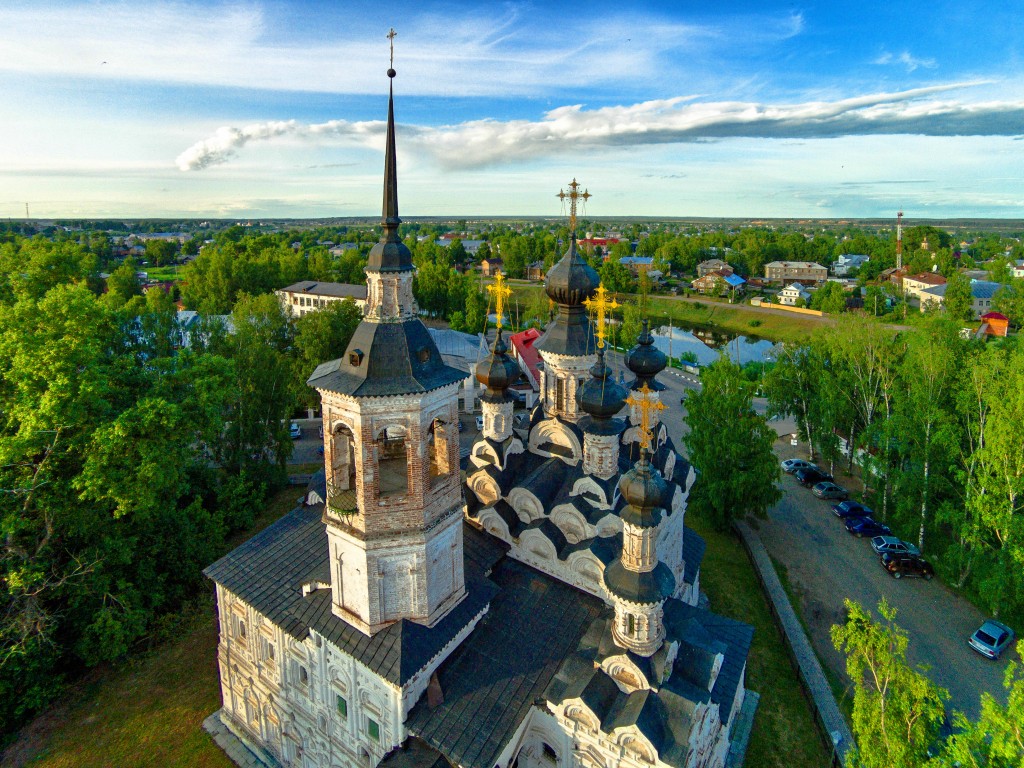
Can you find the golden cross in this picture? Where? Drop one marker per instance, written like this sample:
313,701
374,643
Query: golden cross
391,40
646,405
600,307
574,195
500,291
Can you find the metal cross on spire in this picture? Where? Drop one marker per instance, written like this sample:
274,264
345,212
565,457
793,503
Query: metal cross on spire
646,405
574,196
600,305
500,291
391,39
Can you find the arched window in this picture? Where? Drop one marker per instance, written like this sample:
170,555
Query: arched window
392,461
438,451
341,479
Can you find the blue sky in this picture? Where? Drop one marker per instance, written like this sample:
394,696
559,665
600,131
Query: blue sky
261,109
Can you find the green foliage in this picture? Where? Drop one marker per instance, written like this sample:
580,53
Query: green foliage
616,277
730,446
830,298
958,298
897,711
1010,301
321,336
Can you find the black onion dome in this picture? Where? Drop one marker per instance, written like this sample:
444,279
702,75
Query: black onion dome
646,361
571,281
601,397
643,488
497,371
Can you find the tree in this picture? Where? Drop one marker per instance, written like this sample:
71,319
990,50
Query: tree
616,277
457,252
830,298
958,300
161,252
996,739
321,336
123,284
629,329
730,446
793,386
1010,301
897,710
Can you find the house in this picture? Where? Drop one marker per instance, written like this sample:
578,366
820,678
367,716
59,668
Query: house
847,262
307,296
719,283
982,294
535,271
804,272
526,355
637,264
1018,269
712,265
491,266
540,610
913,285
994,324
792,293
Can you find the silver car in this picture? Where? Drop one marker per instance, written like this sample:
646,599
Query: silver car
893,545
991,639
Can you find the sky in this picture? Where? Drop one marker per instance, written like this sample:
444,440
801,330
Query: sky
245,110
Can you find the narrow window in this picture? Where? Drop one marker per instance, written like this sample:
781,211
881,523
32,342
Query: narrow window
303,676
631,625
373,729
342,706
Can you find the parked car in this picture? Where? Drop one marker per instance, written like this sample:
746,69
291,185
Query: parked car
810,477
792,465
866,526
294,431
893,546
902,565
991,639
480,423
845,509
829,490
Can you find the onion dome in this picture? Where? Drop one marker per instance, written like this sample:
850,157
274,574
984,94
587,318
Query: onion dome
646,361
643,488
497,371
569,283
601,398
571,280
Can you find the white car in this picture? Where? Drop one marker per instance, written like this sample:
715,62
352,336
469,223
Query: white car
479,423
792,465
893,545
294,431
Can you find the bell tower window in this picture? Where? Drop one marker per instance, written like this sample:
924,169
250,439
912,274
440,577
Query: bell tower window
393,462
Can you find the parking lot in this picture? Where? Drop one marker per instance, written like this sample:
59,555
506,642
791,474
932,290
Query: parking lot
825,564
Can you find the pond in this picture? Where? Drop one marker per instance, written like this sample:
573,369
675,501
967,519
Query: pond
708,345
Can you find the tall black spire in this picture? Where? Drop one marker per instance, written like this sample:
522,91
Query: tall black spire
390,254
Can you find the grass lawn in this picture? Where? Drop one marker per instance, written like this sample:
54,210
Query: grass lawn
162,273
149,711
784,731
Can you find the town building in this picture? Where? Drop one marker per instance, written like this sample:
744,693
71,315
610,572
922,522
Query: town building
535,271
637,264
491,266
793,293
847,262
994,324
982,294
544,614
913,285
804,272
1018,269
713,265
307,296
719,283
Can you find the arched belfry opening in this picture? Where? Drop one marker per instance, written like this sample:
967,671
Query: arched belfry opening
438,451
392,448
343,458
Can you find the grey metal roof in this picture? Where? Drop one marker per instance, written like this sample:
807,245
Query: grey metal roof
342,290
693,554
386,359
268,572
502,668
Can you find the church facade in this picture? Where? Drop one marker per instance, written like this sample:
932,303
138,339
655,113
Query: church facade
539,610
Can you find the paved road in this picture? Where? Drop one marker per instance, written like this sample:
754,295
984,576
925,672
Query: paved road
825,564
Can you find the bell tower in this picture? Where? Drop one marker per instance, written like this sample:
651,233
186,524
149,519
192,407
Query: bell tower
390,422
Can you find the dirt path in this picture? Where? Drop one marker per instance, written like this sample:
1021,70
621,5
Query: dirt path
825,564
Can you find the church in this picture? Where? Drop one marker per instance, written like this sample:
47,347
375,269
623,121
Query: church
538,607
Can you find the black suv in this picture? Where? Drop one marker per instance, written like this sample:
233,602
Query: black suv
899,565
811,477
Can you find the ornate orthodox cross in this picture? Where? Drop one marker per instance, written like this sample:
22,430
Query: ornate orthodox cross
574,196
391,39
500,291
600,307
646,405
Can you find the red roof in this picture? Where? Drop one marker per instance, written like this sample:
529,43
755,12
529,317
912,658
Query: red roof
522,344
995,316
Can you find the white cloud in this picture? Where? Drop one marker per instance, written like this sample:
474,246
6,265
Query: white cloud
480,143
904,59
